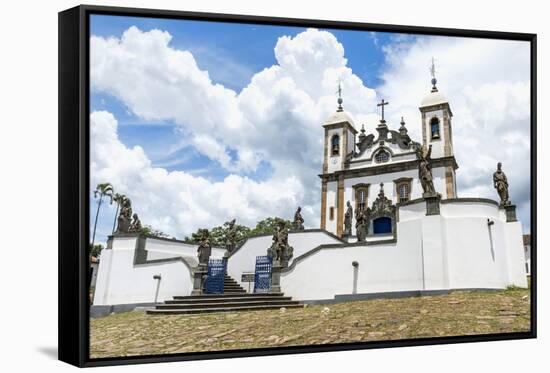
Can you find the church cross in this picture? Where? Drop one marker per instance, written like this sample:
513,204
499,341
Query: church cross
382,104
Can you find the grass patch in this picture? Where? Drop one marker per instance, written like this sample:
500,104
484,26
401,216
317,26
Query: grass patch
458,313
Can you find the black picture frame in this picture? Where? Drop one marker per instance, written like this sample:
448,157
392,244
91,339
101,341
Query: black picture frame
73,75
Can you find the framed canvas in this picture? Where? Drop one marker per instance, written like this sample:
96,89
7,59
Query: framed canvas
234,186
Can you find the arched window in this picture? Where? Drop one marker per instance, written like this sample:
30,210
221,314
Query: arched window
335,145
382,156
434,126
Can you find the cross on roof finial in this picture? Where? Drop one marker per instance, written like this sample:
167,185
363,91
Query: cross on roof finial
340,101
382,104
432,72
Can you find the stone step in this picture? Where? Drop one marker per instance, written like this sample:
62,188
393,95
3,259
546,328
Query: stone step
220,309
198,305
222,299
227,295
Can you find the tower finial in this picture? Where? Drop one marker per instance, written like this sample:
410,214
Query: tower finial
340,101
432,72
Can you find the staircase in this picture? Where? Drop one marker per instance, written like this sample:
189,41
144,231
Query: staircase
234,298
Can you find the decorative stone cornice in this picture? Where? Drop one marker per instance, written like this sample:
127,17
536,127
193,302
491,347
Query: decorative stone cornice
389,168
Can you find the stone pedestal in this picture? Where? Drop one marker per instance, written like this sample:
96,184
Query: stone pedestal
276,277
198,279
432,203
510,212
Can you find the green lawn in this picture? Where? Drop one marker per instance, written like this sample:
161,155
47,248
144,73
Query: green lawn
458,313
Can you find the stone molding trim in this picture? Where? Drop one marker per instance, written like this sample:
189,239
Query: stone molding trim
389,168
442,106
340,207
345,125
290,231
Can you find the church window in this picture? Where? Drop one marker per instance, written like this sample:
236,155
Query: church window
361,198
335,145
434,125
382,156
404,191
331,213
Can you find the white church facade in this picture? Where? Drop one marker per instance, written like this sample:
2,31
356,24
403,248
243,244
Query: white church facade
415,244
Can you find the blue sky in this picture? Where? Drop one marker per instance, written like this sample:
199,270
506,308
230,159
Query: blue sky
235,56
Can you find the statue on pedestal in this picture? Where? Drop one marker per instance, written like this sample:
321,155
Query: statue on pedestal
500,183
205,248
136,224
425,170
348,217
280,250
125,216
298,223
361,224
230,237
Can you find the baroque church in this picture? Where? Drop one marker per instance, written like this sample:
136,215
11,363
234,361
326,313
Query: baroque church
391,225
357,167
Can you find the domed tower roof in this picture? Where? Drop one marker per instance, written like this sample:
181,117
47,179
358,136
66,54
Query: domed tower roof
339,117
434,97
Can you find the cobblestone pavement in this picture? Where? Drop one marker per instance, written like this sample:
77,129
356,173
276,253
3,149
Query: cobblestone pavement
459,313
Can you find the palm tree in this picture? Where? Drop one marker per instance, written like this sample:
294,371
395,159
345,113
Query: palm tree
102,190
118,198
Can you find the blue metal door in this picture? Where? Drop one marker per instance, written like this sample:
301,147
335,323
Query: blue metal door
262,275
381,225
215,277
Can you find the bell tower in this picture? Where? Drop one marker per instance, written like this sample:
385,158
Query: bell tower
339,143
437,131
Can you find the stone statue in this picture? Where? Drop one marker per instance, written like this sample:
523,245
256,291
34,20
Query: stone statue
361,224
347,220
500,183
205,249
298,223
425,170
136,224
125,216
280,250
230,237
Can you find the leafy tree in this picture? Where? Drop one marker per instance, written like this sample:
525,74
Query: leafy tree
117,198
95,250
218,234
147,230
269,225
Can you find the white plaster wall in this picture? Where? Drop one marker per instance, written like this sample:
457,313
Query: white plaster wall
389,187
454,250
384,267
516,262
119,281
365,160
179,248
244,259
332,190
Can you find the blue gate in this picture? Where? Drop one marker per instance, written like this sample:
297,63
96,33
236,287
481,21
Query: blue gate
262,275
215,277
